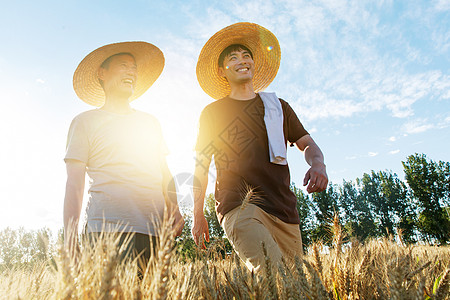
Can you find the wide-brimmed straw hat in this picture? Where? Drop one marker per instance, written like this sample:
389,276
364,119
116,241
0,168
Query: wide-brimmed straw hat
149,61
266,55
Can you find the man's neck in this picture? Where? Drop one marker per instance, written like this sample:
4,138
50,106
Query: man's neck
117,105
242,91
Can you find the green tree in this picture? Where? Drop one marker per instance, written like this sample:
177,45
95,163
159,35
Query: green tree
185,242
357,218
388,201
215,230
42,244
325,206
429,182
395,193
20,247
305,213
9,251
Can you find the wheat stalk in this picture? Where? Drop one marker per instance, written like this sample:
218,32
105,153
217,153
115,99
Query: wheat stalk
443,288
301,278
270,276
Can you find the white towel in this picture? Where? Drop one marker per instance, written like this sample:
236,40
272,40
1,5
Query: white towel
273,118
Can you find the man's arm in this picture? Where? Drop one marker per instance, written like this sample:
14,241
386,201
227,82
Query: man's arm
73,202
316,175
200,229
170,194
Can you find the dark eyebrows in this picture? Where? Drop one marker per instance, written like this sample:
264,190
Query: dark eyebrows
126,62
234,53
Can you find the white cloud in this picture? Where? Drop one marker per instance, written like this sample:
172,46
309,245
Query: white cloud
333,57
211,22
441,40
446,95
341,98
316,104
392,139
444,123
372,154
394,151
417,126
442,5
39,80
333,49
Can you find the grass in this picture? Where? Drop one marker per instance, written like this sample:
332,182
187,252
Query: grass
378,269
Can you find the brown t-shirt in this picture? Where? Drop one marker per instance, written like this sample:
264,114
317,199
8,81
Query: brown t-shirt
235,133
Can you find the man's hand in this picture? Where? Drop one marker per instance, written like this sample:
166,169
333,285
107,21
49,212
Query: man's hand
316,178
71,243
200,230
73,248
73,201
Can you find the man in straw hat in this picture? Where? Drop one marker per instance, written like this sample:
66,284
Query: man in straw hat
247,132
121,149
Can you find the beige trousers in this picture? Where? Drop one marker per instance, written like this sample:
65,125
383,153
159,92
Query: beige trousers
248,228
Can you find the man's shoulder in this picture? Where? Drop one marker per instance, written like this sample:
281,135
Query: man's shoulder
98,113
284,104
146,115
147,118
86,115
216,106
286,107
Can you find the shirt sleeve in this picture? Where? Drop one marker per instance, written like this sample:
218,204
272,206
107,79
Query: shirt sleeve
293,128
204,136
77,146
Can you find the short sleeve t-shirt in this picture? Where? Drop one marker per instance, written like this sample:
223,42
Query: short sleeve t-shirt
234,132
122,153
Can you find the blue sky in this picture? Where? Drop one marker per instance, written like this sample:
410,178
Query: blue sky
369,80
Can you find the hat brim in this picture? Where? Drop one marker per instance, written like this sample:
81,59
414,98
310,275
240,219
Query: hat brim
149,60
266,55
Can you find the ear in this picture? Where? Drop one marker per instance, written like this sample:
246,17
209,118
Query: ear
221,72
101,73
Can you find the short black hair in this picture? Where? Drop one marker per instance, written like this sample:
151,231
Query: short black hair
228,50
106,62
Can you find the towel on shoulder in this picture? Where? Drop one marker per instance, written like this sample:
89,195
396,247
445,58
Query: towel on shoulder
273,118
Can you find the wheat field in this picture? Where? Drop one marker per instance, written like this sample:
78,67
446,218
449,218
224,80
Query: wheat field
378,269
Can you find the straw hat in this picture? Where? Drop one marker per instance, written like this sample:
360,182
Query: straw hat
149,61
266,54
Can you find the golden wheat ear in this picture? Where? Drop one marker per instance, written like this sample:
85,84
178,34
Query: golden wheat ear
249,195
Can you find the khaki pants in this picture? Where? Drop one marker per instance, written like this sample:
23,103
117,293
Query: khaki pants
248,228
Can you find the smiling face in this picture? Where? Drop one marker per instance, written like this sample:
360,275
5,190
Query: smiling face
238,67
118,75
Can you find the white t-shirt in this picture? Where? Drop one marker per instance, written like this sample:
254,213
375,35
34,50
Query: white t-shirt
123,156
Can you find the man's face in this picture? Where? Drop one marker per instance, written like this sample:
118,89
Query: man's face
238,67
120,76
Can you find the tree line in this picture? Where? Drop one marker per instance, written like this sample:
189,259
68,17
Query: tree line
381,205
378,204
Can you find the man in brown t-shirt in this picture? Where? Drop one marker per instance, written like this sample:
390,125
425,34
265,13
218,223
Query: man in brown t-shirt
254,203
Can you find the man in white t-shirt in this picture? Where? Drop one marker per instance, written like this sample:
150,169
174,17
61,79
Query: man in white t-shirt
121,149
